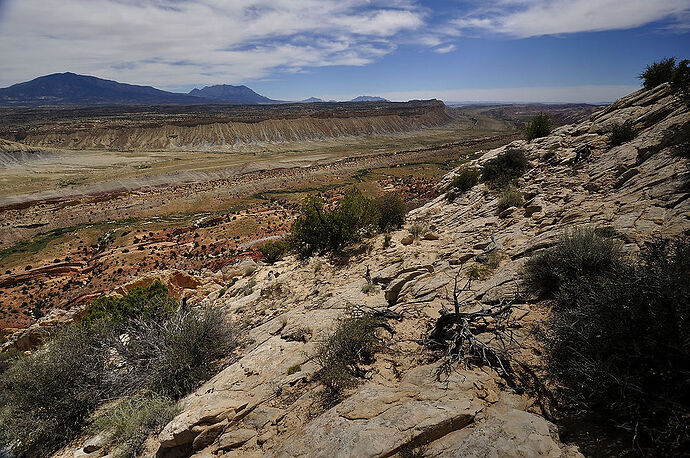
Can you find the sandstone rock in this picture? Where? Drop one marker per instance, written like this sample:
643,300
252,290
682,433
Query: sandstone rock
391,293
430,236
407,240
95,443
234,439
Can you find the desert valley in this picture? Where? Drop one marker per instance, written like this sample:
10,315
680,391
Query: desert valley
488,257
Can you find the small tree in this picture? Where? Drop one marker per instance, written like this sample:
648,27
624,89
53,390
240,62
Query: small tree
658,73
392,210
539,126
680,81
466,179
319,230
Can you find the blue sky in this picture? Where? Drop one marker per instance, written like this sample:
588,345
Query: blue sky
502,50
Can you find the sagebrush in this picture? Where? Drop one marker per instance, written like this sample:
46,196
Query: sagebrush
617,341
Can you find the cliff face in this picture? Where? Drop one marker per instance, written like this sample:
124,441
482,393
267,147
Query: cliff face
226,135
254,408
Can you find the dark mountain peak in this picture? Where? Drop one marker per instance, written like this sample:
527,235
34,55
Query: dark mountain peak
231,94
73,89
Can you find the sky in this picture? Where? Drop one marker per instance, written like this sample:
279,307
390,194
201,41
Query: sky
472,50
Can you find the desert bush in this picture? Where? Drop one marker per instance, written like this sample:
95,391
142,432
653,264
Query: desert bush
171,356
539,126
621,133
7,358
147,302
451,195
417,229
319,230
657,73
506,167
680,81
353,342
274,250
617,340
294,369
132,420
392,210
387,241
465,179
45,398
510,197
580,253
478,271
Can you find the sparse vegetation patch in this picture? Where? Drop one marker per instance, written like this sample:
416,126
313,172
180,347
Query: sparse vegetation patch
505,168
617,340
621,133
539,126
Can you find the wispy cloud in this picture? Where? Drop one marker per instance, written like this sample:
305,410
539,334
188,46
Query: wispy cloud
445,49
528,18
145,41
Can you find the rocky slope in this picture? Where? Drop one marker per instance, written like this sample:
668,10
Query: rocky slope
254,408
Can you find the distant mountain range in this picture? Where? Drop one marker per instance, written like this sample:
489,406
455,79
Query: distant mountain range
72,89
369,98
311,100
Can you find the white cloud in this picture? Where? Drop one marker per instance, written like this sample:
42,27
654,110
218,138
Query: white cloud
173,42
445,49
527,18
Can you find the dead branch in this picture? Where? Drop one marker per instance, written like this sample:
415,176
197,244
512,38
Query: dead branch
480,338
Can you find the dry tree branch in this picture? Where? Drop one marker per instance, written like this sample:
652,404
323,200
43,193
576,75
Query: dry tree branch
480,338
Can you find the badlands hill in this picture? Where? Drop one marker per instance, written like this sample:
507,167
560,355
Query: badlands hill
268,402
217,127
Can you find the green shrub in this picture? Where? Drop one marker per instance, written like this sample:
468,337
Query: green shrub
319,230
171,356
680,81
617,341
658,73
294,369
539,126
465,179
387,241
621,133
392,210
132,420
417,229
451,195
353,342
45,398
274,251
146,302
510,197
580,253
506,167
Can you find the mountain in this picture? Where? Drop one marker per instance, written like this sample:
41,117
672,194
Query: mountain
311,100
231,94
369,98
72,89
